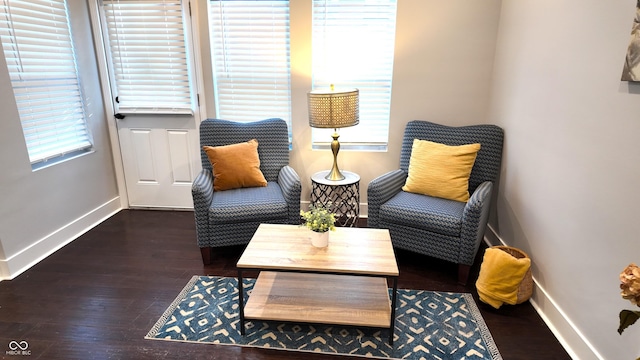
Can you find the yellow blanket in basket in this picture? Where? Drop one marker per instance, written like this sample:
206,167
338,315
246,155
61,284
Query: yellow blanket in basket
500,277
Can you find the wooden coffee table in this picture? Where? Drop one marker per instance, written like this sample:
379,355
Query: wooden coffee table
343,284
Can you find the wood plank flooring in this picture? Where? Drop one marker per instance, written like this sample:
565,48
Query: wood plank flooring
97,297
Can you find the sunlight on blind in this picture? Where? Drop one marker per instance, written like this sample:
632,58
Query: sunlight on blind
353,47
149,56
36,40
250,52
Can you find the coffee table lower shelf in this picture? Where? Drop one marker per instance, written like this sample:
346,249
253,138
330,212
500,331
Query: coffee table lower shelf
320,298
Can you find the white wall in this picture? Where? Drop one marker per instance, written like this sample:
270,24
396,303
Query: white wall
42,210
571,162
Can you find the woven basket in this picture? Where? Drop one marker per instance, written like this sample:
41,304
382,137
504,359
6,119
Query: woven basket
525,289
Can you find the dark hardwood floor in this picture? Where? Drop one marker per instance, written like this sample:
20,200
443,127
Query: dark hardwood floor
97,297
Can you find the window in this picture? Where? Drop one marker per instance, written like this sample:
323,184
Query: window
250,53
36,39
149,61
353,45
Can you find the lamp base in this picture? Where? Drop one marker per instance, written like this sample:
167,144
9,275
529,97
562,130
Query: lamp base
335,174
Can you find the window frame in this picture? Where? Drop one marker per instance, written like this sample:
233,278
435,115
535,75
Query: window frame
242,115
38,128
353,138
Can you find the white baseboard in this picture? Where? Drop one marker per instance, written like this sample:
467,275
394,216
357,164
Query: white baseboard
36,252
364,210
569,336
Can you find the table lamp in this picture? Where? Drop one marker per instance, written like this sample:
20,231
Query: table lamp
333,109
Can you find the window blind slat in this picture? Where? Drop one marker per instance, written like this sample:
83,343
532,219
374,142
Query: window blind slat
149,56
41,5
36,40
250,53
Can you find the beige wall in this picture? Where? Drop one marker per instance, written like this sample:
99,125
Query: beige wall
571,162
442,70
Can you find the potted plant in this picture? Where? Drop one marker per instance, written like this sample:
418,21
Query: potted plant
320,221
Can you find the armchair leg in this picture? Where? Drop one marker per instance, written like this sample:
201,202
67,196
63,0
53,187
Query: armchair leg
463,273
206,255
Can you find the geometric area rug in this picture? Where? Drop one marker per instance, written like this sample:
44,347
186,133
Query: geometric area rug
429,325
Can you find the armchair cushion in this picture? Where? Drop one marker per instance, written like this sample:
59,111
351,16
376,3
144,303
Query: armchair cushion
441,170
257,204
437,215
235,166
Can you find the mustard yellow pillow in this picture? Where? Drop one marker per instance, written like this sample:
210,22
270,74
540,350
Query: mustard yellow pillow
235,166
440,170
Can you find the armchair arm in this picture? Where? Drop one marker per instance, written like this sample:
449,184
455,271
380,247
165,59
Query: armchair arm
380,190
474,222
291,186
202,192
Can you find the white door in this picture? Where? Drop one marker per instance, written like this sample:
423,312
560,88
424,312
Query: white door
150,71
160,158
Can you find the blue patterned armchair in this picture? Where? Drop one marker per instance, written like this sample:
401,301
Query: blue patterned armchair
445,229
231,217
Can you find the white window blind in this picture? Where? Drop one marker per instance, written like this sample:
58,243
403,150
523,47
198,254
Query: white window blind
36,40
148,56
250,52
353,47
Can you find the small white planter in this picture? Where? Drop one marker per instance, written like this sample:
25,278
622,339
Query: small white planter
319,239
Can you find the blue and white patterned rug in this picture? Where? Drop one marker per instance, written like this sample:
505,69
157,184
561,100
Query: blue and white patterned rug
429,325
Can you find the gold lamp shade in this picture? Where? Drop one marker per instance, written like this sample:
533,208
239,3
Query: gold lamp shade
334,109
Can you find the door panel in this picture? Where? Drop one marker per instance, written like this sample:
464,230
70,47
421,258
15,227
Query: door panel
141,146
179,145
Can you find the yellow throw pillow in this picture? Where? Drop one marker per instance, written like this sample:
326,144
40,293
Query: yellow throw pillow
441,170
235,166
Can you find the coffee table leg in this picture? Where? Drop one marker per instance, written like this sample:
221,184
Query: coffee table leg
241,301
392,326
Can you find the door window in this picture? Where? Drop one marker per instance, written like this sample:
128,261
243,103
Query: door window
148,57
